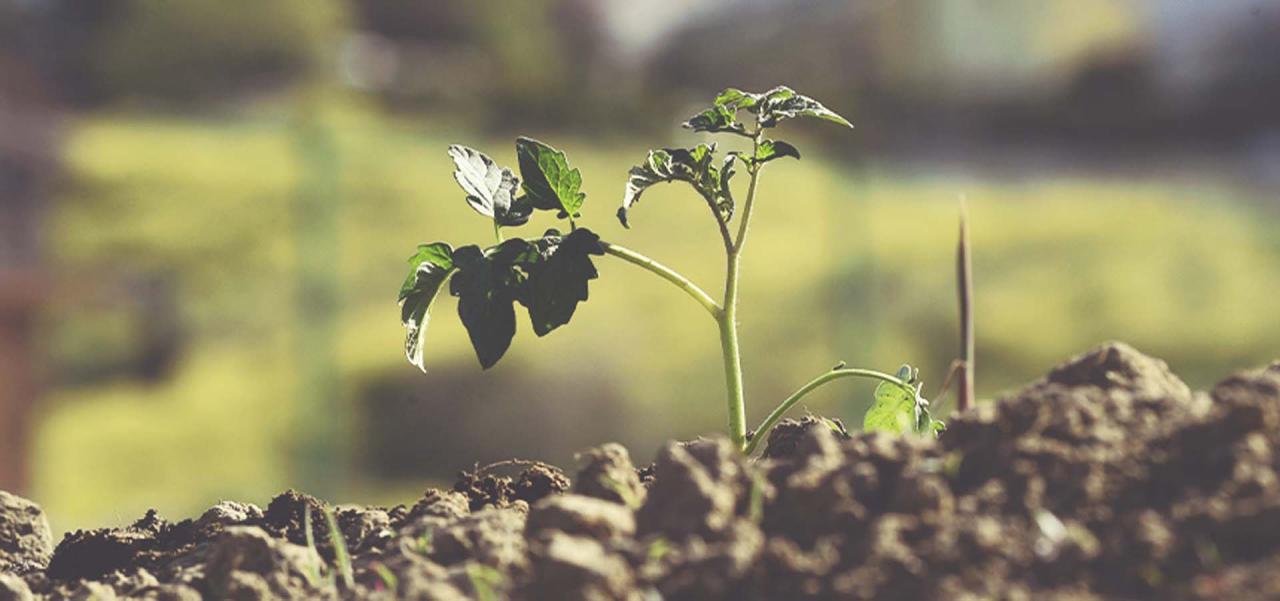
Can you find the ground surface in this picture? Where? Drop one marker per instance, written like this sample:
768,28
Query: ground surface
1107,479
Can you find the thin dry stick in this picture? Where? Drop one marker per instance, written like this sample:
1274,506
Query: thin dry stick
964,289
956,367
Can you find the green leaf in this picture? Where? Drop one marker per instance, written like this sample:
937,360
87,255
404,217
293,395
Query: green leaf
901,409
893,411
696,166
431,266
549,182
491,190
784,103
485,291
558,282
723,115
715,119
735,99
769,150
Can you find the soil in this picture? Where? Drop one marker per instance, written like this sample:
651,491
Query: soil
1107,479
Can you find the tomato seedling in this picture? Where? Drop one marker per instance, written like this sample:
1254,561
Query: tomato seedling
549,275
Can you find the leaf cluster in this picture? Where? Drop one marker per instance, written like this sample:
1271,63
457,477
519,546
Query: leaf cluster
547,275
699,167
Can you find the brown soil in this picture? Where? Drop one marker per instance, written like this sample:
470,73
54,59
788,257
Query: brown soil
1108,479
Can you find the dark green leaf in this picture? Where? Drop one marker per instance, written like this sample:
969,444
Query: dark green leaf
784,103
485,291
696,166
723,115
491,190
431,266
769,150
549,182
715,119
558,282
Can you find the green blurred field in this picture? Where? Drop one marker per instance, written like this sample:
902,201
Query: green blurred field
845,263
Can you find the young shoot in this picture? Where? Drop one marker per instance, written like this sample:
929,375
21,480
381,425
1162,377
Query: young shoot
549,275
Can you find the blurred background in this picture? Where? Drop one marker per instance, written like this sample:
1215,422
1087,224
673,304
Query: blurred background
205,209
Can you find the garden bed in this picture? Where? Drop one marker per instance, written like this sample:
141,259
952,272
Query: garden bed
1107,479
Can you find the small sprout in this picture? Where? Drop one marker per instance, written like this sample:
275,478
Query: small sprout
836,426
314,575
340,553
485,580
420,545
387,580
900,408
658,549
626,493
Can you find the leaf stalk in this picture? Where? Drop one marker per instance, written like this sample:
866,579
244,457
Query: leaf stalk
776,415
665,273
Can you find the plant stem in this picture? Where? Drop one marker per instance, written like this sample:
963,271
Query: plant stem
774,417
735,401
728,319
497,231
665,273
746,211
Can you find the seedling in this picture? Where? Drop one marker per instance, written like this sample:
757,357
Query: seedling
340,553
549,275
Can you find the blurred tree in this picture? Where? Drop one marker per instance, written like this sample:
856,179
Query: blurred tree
203,51
503,62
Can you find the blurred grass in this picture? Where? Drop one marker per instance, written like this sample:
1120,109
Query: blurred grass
845,263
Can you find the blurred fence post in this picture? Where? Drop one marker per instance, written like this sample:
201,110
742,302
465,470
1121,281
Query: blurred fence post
28,160
319,417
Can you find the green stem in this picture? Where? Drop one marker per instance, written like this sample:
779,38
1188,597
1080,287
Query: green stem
735,401
728,319
665,273
497,231
746,211
762,432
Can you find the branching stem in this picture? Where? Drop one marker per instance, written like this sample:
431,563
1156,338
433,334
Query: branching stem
728,319
774,417
665,273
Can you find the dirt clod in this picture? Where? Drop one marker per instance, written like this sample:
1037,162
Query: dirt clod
25,539
607,473
247,563
13,588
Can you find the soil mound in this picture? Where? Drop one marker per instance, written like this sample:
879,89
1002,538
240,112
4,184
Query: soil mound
1107,479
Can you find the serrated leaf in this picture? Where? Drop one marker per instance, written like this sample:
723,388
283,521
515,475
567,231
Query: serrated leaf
715,119
723,114
431,266
769,150
549,183
558,282
695,166
784,103
485,293
491,190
